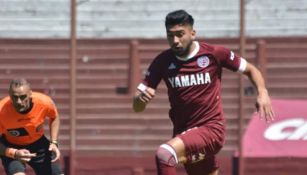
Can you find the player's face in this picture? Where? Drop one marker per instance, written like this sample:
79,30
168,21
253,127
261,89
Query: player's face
180,38
21,98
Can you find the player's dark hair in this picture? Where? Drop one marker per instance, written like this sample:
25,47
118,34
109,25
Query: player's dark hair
178,17
15,83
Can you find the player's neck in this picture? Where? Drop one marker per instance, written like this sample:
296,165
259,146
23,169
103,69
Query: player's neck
193,51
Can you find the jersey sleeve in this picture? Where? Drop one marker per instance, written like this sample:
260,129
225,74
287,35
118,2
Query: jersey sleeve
52,112
2,129
153,75
230,60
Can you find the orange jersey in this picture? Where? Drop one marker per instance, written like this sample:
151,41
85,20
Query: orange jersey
24,129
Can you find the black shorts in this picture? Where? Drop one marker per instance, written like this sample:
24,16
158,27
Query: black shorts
41,164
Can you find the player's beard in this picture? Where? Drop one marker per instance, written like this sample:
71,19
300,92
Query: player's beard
183,51
23,108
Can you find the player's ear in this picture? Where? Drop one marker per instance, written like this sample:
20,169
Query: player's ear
193,34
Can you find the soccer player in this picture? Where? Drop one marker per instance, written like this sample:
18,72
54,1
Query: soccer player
192,72
22,141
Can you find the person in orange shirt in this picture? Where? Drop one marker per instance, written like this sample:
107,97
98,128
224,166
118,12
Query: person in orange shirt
22,141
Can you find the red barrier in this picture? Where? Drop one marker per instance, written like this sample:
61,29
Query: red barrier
286,136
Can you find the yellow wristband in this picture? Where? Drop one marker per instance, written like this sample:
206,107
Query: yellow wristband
54,142
10,152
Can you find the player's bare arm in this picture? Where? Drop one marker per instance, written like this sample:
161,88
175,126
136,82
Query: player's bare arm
141,98
263,103
20,154
24,155
54,130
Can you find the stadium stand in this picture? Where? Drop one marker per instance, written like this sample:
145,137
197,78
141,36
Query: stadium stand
34,44
106,125
144,18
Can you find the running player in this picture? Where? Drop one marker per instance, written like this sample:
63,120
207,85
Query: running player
22,116
192,72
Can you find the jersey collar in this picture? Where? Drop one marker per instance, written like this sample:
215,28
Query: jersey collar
192,54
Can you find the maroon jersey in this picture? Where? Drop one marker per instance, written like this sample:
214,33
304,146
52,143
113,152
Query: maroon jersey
194,84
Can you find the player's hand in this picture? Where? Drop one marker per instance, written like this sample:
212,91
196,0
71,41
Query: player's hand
264,107
24,155
146,95
54,148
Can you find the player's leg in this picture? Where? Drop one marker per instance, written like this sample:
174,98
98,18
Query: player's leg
173,152
201,144
168,156
42,164
195,148
207,166
13,166
46,168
